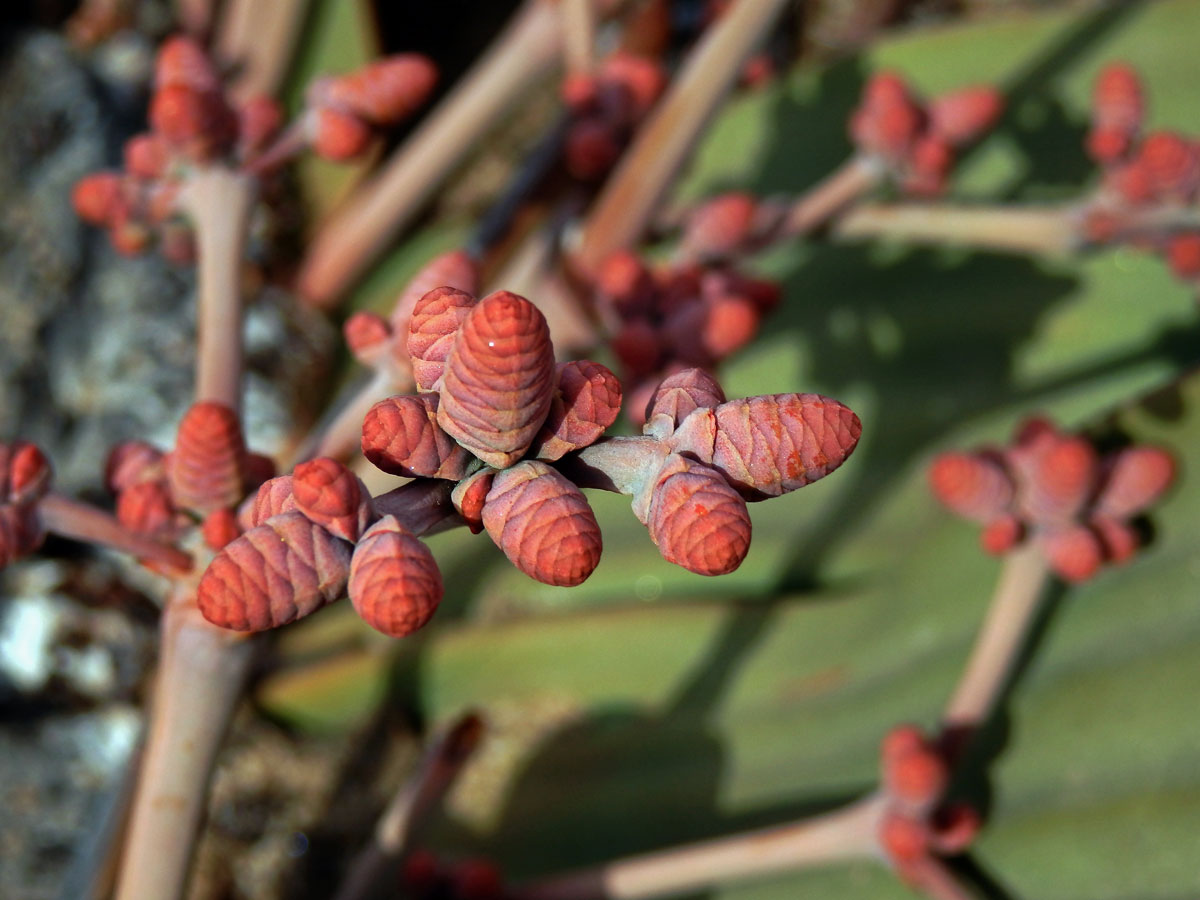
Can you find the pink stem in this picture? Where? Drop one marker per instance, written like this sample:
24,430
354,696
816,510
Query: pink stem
847,183
82,522
1010,229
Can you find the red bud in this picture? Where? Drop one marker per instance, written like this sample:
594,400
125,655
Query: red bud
274,574
1001,535
395,584
1056,479
330,495
591,149
436,319
963,116
1120,542
543,523
455,269
386,91
259,120
274,497
97,197
146,156
697,520
1137,477
182,62
206,469
28,472
367,334
401,436
1171,163
1117,101
469,496
719,227
681,393
499,379
338,135
146,508
1183,255
1074,552
586,402
131,462
973,485
220,527
20,533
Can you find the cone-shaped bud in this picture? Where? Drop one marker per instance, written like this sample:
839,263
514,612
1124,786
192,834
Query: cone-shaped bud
259,120
336,134
401,436
973,485
905,840
395,584
194,122
1057,480
26,472
543,523
274,497
888,120
146,156
929,166
1119,540
97,198
368,335
1171,163
591,148
719,227
207,467
1074,552
385,91
914,774
432,329
455,269
586,401
330,495
182,62
146,508
677,396
132,462
1117,101
1137,477
1001,535
469,496
274,574
696,519
1183,255
770,445
641,81
499,379
624,282
708,331
220,527
963,116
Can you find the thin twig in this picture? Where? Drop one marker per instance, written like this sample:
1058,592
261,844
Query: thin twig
631,196
831,195
200,677
843,834
1014,607
350,241
220,203
1009,229
82,522
412,805
579,35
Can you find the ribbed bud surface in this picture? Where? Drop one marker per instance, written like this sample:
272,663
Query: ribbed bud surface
432,330
208,463
332,496
1138,477
274,574
774,444
132,462
543,523
972,485
145,508
586,402
499,379
681,393
274,497
401,436
395,584
454,269
220,528
386,91
366,333
1056,479
469,496
26,472
697,520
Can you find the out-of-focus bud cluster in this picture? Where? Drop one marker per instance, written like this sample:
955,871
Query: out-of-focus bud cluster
194,122
163,494
917,824
1057,491
669,319
25,476
1141,173
918,141
605,107
425,877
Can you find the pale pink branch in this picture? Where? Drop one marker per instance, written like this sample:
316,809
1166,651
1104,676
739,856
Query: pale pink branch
258,39
579,35
835,193
843,834
220,203
1035,230
82,522
200,677
634,192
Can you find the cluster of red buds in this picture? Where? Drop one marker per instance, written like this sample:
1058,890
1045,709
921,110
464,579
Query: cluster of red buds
917,825
605,107
162,495
425,877
683,316
917,142
1057,491
506,438
24,479
194,122
1142,172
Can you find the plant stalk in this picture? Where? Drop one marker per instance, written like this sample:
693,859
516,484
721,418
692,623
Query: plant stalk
579,35
200,676
634,192
80,521
833,194
1005,229
220,202
259,39
843,834
1010,616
